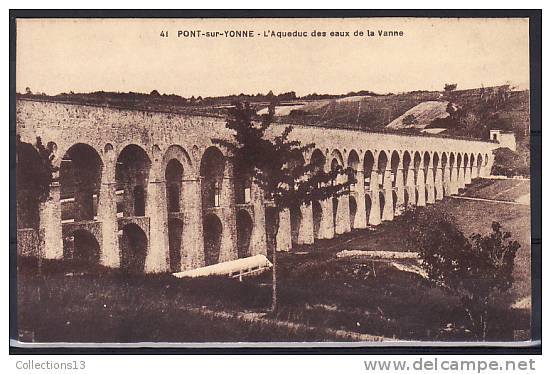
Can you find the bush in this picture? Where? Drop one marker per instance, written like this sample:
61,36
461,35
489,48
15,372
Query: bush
510,163
478,269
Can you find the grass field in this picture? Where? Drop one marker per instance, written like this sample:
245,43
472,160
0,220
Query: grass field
317,291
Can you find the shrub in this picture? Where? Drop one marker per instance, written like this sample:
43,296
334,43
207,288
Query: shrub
510,163
477,269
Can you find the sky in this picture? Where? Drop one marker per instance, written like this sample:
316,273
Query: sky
86,55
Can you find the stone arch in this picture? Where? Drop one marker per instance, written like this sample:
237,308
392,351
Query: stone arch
406,162
212,237
471,160
394,165
406,197
353,162
417,161
478,165
132,176
133,248
175,231
382,163
174,171
80,181
435,163
318,160
444,164
337,155
212,169
244,225
369,163
426,164
452,161
352,209
82,247
177,152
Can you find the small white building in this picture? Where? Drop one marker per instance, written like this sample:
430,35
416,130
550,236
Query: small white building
506,139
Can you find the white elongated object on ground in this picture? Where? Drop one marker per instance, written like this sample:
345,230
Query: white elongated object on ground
377,254
235,269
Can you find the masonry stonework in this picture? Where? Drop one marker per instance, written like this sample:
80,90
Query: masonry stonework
140,207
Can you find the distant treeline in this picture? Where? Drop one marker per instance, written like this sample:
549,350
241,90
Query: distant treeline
177,100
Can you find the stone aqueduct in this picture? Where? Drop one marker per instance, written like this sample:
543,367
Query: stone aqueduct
148,191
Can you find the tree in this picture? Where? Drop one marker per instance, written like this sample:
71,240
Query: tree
510,163
448,87
155,93
409,120
34,174
28,91
477,269
276,164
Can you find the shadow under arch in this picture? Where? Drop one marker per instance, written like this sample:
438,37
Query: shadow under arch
133,249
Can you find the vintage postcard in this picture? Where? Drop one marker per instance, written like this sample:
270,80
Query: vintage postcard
273,180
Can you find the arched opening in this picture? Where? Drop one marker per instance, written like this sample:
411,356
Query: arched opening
212,236
381,203
296,220
133,248
353,208
173,176
394,164
367,207
29,171
426,165
132,176
381,165
353,162
369,161
80,180
478,165
406,162
435,161
317,160
82,247
406,198
416,166
212,170
459,166
453,169
175,228
244,231
444,166
242,182
394,201
316,215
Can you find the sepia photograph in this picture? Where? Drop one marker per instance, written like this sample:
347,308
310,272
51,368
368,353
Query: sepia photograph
273,181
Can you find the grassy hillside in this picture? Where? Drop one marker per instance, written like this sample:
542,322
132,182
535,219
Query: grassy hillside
367,111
